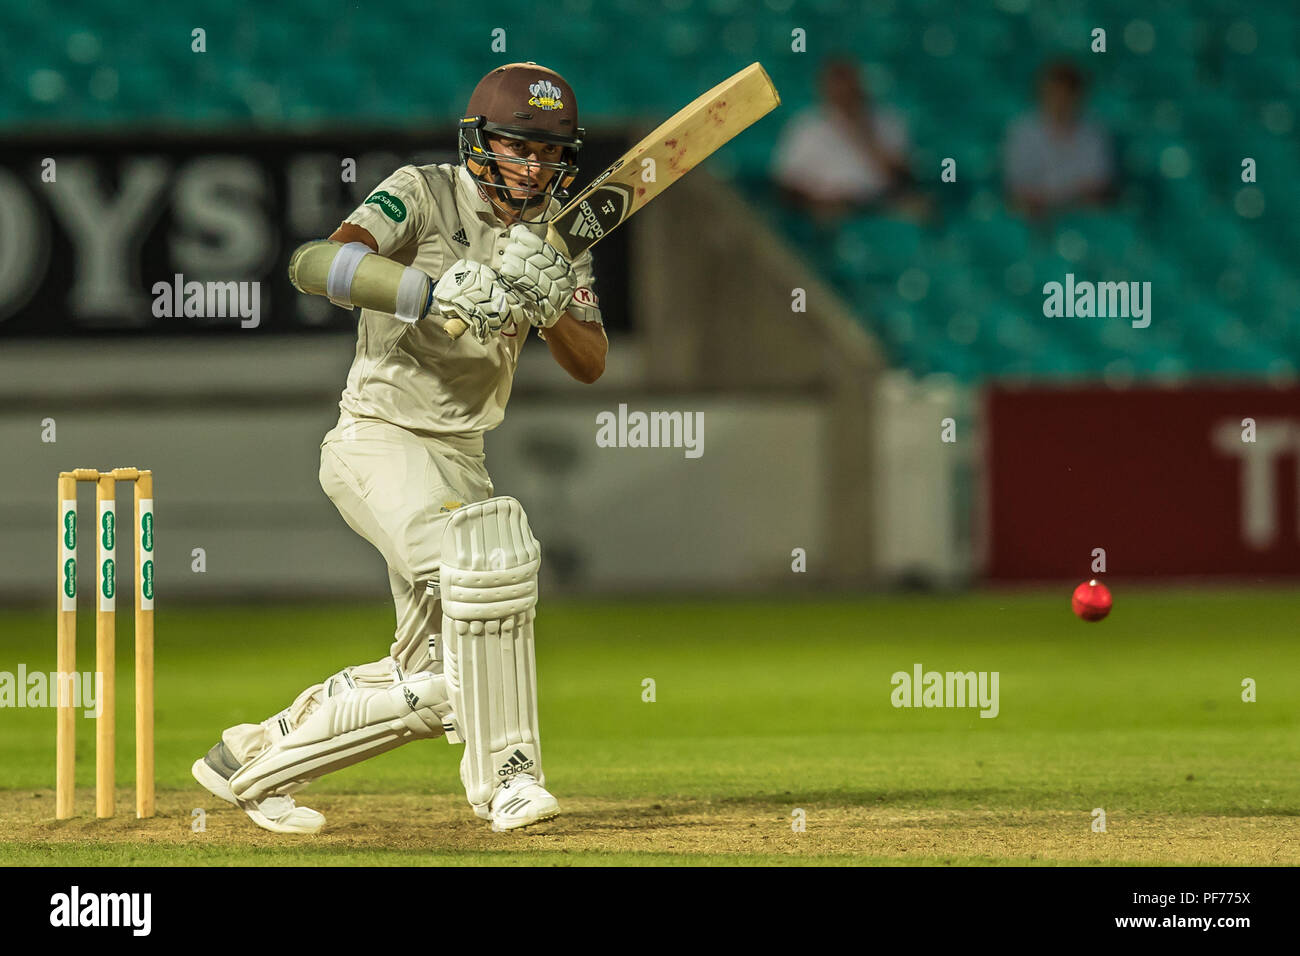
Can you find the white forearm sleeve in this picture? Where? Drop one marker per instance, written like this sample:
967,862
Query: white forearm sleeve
352,274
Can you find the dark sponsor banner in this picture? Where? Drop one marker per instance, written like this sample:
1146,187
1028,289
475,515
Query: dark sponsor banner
92,225
1167,481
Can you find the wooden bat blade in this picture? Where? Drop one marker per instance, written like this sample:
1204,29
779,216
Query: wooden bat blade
676,146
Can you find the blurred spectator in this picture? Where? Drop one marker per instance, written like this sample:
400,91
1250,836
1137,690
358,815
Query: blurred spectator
1054,157
843,155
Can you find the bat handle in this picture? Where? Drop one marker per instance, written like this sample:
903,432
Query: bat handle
454,328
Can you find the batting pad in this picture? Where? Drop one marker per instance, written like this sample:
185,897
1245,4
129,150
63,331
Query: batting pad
489,598
349,726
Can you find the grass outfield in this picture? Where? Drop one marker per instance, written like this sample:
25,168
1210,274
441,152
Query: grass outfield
762,708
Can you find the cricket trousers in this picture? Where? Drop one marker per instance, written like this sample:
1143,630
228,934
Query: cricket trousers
396,489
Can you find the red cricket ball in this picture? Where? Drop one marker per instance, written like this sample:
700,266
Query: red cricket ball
1091,600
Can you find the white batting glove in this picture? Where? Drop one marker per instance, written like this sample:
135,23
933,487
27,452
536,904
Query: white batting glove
475,293
536,270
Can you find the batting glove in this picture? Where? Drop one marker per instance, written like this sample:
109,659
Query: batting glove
535,269
475,293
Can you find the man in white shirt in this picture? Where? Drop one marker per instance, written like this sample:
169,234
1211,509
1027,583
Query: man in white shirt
844,154
1054,158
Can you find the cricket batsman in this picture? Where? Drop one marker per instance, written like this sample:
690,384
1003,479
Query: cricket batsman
405,466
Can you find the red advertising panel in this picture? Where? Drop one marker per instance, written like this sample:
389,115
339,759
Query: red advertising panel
1168,481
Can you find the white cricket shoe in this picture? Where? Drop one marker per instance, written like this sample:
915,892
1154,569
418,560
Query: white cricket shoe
279,814
519,802
214,769
282,815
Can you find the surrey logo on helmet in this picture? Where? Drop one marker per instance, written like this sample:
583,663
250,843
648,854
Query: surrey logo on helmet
546,96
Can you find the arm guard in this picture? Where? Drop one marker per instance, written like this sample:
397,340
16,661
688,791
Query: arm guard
352,275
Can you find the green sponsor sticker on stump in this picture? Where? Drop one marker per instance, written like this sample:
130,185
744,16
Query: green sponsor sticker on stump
393,207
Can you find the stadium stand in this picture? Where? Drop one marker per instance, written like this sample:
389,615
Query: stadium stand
1186,90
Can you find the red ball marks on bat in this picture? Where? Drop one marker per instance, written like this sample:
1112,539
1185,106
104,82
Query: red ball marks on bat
1091,600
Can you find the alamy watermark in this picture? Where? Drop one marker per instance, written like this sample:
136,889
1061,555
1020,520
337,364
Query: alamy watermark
1084,299
209,300
75,908
38,689
626,429
922,688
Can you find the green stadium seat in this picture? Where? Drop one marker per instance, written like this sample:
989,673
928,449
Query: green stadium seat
995,242
1261,77
1105,237
873,247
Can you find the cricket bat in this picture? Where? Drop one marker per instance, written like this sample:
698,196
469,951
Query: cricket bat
676,147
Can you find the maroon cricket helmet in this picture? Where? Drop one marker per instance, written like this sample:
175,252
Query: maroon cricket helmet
526,102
